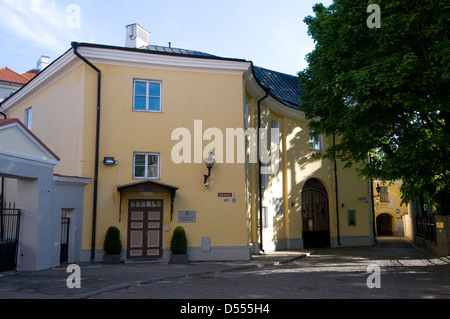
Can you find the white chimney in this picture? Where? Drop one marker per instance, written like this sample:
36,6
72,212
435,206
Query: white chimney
137,36
42,63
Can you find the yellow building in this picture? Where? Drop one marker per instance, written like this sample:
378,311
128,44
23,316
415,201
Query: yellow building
392,217
140,120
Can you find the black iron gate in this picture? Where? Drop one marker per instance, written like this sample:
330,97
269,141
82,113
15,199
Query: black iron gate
65,226
315,215
9,236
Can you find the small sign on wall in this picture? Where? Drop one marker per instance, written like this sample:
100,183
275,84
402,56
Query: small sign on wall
226,194
187,216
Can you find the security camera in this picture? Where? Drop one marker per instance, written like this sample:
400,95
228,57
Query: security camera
206,184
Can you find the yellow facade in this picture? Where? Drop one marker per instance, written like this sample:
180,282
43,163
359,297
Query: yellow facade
392,217
197,95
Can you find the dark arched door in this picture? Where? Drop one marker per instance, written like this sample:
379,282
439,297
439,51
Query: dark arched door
315,215
384,225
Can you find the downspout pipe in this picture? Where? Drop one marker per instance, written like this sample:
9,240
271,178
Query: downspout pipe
259,171
337,193
97,144
2,185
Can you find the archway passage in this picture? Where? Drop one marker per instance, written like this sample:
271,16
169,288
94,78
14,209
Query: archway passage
315,215
384,225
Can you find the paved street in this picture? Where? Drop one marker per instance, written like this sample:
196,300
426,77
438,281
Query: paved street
405,272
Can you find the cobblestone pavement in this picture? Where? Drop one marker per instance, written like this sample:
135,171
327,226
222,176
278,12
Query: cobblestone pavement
407,272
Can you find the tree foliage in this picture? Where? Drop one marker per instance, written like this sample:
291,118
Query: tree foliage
384,91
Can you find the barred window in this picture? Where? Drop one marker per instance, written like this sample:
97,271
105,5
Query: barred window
384,194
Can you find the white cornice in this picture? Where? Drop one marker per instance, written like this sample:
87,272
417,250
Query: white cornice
103,55
71,180
59,68
27,160
278,107
100,55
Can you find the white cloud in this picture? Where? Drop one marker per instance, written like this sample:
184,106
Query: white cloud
41,22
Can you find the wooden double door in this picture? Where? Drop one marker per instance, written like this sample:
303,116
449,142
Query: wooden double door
145,223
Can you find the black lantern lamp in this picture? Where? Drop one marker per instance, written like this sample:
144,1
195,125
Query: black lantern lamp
378,189
209,161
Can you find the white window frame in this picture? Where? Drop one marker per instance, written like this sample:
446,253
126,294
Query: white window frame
28,117
274,136
146,165
315,141
264,178
265,217
147,96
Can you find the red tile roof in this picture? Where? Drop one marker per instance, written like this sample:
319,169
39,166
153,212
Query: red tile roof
29,74
9,75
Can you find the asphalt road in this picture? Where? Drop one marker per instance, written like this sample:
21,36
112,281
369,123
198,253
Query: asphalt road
405,272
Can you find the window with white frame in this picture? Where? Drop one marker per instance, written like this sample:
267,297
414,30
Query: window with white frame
264,176
315,141
146,165
28,117
265,217
275,132
147,96
278,207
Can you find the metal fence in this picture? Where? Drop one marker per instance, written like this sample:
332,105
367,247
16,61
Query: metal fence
426,228
9,236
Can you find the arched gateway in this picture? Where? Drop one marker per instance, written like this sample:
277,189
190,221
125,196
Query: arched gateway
384,224
315,215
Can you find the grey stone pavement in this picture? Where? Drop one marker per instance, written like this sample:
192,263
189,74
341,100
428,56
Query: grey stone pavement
406,272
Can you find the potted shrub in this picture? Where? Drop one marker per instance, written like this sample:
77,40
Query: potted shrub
112,246
178,246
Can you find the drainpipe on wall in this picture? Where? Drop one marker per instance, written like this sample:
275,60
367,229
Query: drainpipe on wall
2,187
337,194
259,171
97,143
373,204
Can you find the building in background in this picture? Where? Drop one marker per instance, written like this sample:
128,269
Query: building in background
392,217
11,81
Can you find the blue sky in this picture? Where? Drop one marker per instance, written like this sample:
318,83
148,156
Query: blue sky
270,33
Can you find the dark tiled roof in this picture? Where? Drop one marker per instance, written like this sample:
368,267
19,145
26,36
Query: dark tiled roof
284,87
193,53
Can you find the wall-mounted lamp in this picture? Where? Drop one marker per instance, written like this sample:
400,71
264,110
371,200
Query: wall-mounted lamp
108,161
209,161
378,189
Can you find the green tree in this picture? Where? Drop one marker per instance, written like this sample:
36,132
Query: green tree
384,92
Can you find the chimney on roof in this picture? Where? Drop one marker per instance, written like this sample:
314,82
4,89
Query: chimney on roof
42,63
137,36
